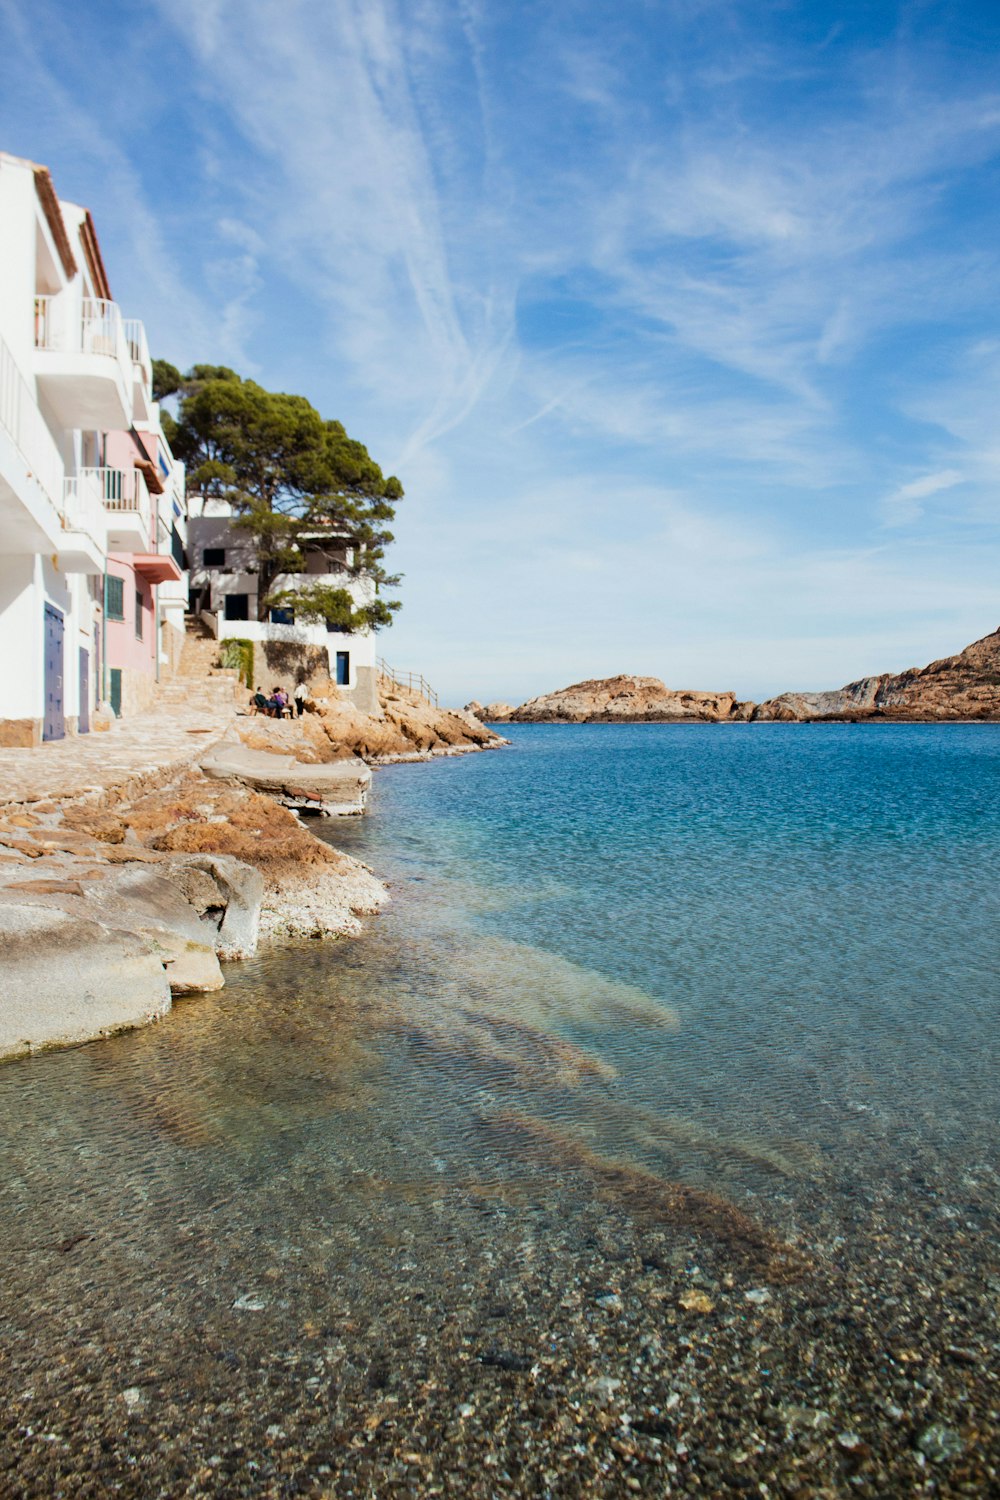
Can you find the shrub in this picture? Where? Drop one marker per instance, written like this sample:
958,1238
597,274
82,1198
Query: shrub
238,654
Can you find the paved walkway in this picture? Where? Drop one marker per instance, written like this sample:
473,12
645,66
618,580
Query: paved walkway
167,736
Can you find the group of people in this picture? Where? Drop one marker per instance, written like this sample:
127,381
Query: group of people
280,705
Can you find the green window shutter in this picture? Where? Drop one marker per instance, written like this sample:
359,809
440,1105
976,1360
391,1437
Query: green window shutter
114,597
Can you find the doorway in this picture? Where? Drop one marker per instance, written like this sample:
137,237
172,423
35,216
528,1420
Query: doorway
54,724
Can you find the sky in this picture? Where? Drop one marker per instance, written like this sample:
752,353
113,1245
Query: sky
679,320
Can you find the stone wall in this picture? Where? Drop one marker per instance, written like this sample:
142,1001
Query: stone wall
20,734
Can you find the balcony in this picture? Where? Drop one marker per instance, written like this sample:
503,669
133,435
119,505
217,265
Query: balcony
31,468
126,505
142,369
83,364
82,543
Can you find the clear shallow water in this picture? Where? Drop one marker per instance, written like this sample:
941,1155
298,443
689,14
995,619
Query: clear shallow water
656,1013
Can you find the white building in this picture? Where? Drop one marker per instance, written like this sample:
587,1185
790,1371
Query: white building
223,591
83,472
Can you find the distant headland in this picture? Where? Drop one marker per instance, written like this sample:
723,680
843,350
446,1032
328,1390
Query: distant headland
965,687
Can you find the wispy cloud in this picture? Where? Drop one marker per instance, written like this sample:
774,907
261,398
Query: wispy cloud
689,307
906,503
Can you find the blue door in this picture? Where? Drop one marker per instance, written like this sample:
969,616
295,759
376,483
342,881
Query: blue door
83,723
343,669
54,726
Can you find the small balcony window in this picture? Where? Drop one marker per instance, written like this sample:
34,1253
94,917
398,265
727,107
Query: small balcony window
114,597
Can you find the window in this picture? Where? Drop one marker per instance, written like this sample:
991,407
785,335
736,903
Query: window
114,597
214,557
237,606
343,668
282,617
138,615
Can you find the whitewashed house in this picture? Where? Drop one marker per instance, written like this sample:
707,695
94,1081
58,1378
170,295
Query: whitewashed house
224,593
86,537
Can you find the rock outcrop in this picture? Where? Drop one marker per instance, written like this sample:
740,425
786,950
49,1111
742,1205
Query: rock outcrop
966,686
962,687
630,700
490,713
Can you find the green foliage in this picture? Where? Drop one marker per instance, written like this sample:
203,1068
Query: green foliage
167,379
237,654
325,603
292,478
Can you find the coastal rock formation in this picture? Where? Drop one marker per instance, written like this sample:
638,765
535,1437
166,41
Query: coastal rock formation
68,979
490,713
965,686
626,699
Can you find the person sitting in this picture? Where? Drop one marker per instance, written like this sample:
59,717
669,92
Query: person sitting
279,702
258,703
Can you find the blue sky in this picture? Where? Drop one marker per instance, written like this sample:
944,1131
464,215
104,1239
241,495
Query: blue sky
678,319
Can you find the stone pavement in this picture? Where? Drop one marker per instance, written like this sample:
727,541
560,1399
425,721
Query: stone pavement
170,735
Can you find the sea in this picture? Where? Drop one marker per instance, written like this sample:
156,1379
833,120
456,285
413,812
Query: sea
647,1143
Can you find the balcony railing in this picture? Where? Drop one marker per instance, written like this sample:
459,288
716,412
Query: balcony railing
81,508
138,348
25,425
96,329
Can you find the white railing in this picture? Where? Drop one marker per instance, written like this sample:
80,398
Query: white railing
82,509
119,492
138,348
96,329
25,425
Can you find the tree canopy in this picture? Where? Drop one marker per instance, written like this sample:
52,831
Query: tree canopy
292,478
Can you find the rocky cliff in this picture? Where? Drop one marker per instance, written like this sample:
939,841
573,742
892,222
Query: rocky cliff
966,686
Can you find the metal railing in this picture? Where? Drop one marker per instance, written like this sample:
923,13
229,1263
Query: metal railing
411,682
25,425
96,329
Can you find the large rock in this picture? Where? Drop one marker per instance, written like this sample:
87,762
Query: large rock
490,713
143,901
626,699
338,787
966,686
227,894
67,979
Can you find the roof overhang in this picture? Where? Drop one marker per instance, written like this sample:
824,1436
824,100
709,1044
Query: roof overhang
156,567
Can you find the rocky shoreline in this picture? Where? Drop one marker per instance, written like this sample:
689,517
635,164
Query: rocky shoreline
115,901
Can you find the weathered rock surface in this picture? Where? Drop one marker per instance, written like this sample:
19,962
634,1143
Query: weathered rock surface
490,713
965,686
339,787
627,699
66,979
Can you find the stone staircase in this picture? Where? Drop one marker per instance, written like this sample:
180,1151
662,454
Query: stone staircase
199,682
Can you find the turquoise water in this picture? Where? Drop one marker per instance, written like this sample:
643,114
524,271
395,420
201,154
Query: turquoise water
817,906
647,1143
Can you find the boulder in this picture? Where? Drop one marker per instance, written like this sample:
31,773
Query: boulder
227,894
66,979
338,787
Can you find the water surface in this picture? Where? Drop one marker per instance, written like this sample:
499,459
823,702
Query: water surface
649,1140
